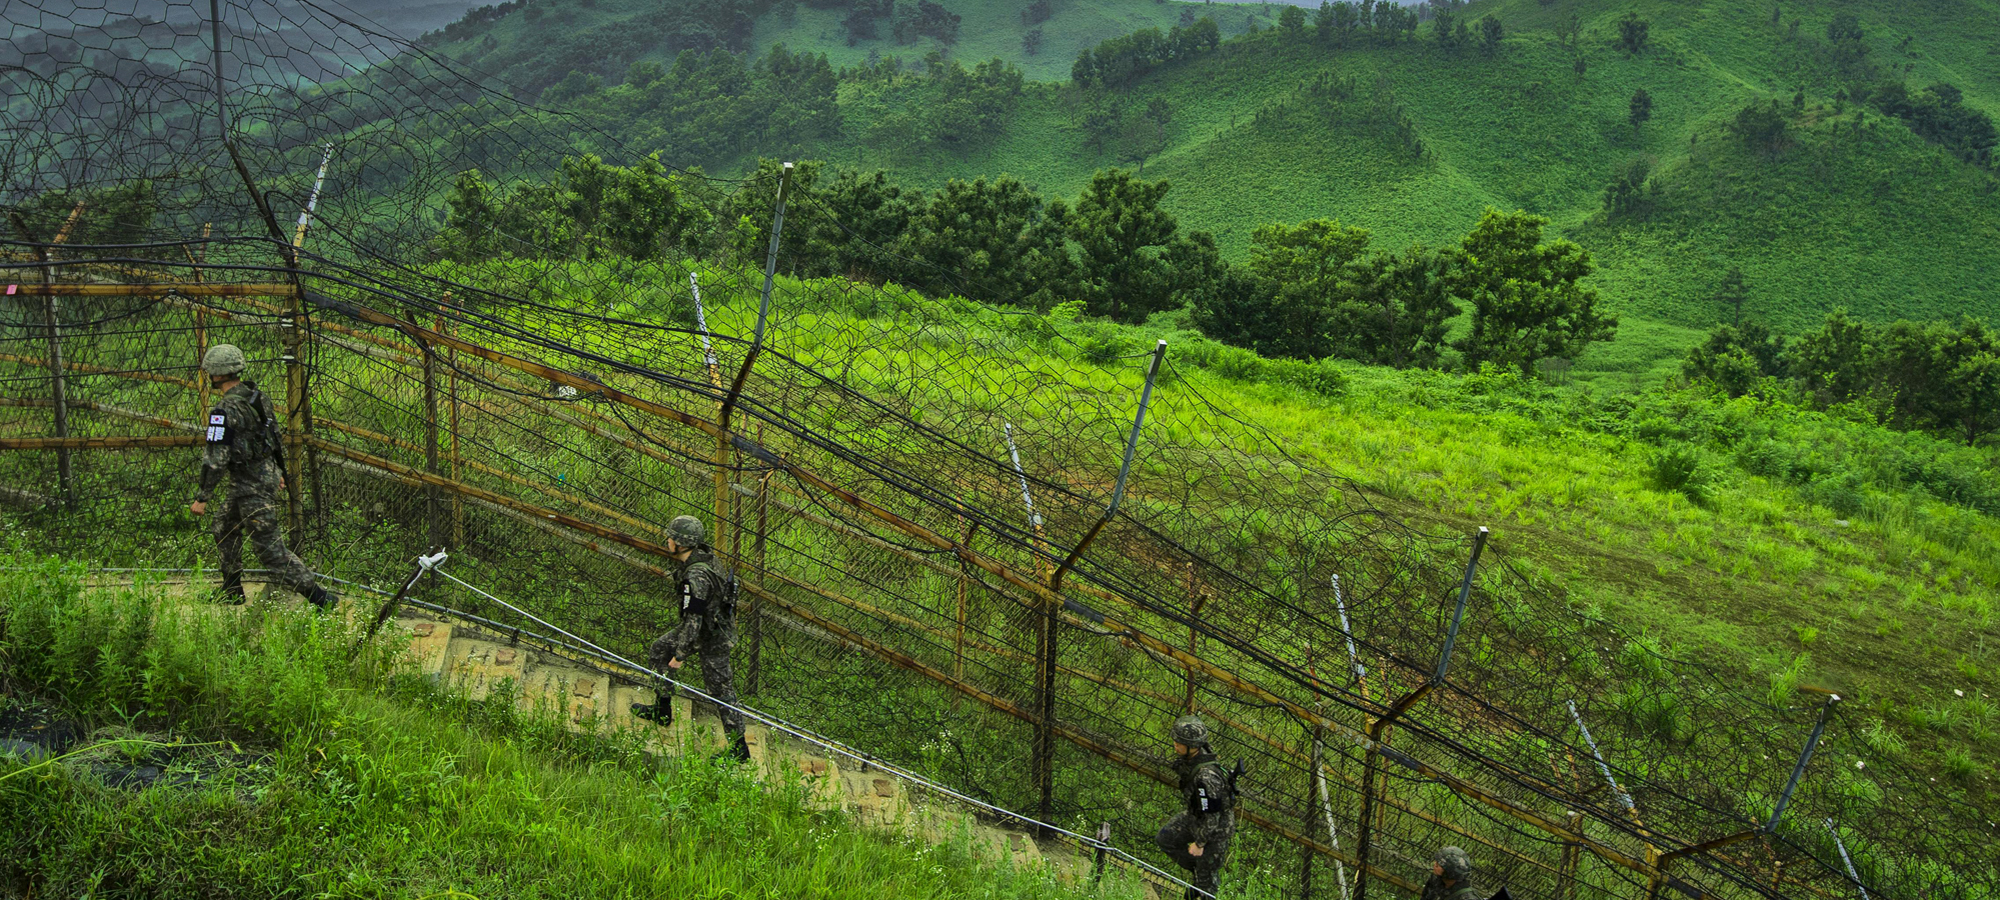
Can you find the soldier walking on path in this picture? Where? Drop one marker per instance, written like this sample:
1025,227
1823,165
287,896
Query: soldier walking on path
707,628
245,443
1451,877
1198,838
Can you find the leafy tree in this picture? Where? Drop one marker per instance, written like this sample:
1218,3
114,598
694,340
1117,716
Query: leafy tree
1446,29
1581,67
991,240
1031,43
1292,21
1489,35
1734,358
856,226
1938,114
1630,194
1837,361
1632,34
1732,294
1527,298
1132,263
572,86
1762,128
1338,22
1642,109
1397,316
925,18
1310,269
1037,12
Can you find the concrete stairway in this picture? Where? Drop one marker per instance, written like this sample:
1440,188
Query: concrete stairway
590,699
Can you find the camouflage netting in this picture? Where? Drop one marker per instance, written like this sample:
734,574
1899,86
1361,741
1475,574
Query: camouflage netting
544,414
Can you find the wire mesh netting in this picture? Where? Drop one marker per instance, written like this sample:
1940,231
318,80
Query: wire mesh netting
913,484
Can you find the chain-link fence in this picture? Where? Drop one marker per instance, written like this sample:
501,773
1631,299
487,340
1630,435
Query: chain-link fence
914,487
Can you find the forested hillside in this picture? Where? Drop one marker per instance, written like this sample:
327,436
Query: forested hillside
1832,154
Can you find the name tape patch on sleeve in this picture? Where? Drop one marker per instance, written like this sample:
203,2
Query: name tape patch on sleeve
217,430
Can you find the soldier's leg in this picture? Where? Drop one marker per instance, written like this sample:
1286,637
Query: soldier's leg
1173,841
1208,866
661,710
260,520
227,526
720,680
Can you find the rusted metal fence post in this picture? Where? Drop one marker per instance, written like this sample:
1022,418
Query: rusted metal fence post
728,404
433,495
964,588
298,413
451,397
755,611
200,323
1371,767
58,383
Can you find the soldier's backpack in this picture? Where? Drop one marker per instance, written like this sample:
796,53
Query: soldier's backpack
724,615
266,438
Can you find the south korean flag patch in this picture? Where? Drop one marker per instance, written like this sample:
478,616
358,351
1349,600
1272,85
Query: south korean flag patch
218,430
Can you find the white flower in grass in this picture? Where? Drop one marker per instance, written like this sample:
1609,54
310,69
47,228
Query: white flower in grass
1958,692
1860,764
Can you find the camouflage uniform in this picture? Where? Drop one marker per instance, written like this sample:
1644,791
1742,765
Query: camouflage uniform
1457,865
1209,804
704,631
243,442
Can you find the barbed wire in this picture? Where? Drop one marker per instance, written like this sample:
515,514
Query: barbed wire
544,410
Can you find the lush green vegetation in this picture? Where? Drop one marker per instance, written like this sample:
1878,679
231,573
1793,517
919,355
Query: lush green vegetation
1867,186
301,772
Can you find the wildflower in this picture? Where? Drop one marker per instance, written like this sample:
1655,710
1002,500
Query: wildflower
1958,692
1860,764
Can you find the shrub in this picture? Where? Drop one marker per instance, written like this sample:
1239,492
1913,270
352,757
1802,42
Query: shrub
1318,377
1100,343
1680,469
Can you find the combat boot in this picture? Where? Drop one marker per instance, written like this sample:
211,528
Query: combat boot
737,751
231,591
324,599
661,713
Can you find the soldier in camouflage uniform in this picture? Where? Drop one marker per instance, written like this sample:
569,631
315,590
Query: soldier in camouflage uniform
707,628
244,442
1198,838
1451,877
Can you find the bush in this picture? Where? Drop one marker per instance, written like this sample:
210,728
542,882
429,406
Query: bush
1680,469
1101,344
1318,377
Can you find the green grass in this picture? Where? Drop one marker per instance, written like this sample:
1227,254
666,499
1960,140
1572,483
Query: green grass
345,787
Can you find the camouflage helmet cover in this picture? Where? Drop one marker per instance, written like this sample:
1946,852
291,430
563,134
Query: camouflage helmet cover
685,530
221,360
1457,864
1190,731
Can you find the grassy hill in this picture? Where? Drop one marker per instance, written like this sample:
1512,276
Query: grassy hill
1854,210
213,754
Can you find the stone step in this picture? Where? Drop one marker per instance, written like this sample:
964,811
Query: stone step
463,658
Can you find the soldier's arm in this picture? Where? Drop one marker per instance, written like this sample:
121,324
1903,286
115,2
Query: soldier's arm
214,454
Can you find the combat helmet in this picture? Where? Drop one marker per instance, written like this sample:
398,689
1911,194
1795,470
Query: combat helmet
1190,731
1457,864
686,530
223,360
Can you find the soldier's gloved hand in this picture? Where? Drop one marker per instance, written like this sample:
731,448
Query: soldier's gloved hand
674,663
1194,849
281,482
199,507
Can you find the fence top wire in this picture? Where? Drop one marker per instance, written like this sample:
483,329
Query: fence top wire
887,411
